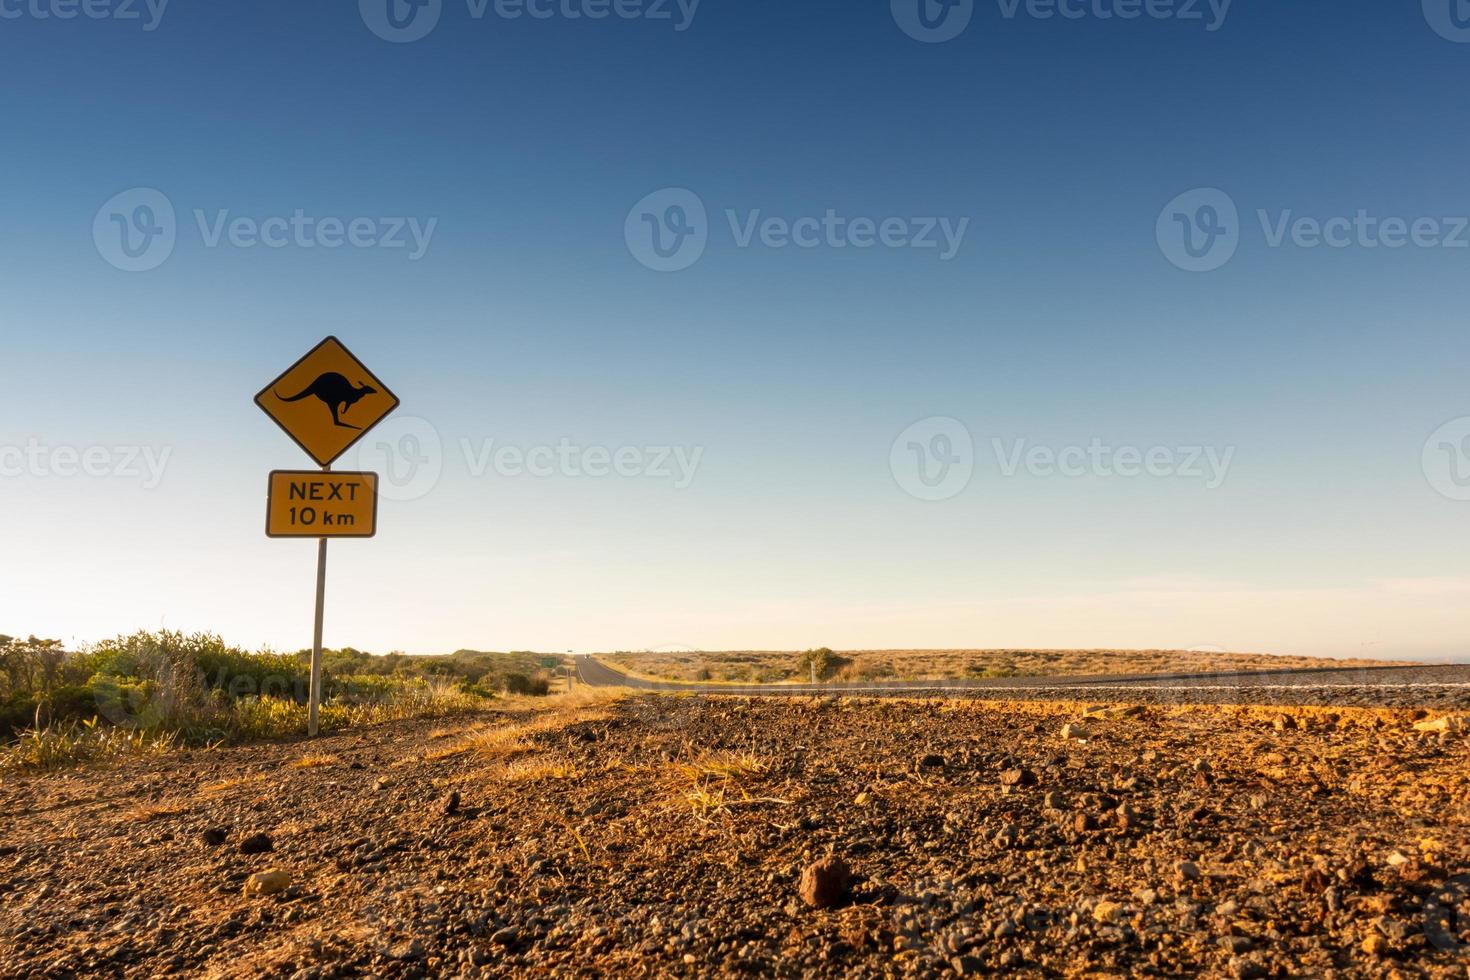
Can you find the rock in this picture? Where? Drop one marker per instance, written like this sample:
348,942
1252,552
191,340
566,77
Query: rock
1084,822
411,949
966,966
1054,800
1449,723
1018,777
1284,723
257,844
508,936
1246,969
451,803
825,883
215,836
1070,730
931,761
1187,870
1375,945
1107,912
271,882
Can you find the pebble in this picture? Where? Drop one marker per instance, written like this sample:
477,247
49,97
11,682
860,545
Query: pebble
1018,777
271,882
257,844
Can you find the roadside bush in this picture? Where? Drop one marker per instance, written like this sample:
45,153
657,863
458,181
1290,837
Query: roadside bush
826,662
517,683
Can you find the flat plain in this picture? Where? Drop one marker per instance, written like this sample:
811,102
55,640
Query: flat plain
643,835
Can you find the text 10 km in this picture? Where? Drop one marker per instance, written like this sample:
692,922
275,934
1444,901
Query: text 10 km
310,504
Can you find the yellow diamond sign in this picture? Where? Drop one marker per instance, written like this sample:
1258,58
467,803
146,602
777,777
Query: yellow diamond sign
327,401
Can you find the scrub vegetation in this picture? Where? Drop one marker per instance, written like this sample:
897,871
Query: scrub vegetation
156,691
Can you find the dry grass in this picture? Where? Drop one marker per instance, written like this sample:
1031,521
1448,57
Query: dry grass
226,785
496,741
539,771
155,811
713,783
315,761
748,666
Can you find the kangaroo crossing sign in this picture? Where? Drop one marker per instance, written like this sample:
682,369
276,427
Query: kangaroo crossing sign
327,401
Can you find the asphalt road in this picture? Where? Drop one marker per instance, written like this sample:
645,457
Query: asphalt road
1436,686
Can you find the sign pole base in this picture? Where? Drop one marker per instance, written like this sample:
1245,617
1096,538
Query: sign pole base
316,642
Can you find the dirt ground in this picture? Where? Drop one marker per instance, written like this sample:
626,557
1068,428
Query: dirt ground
668,836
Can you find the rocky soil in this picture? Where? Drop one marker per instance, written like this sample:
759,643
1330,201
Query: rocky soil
691,836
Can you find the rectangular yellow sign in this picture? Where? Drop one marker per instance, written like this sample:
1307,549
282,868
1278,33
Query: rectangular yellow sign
313,504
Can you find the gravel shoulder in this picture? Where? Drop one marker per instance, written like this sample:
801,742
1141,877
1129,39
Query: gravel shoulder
689,836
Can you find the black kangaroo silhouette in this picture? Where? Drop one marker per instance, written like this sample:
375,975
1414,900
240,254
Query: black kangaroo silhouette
336,392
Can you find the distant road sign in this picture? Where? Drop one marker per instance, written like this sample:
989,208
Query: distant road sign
312,504
327,401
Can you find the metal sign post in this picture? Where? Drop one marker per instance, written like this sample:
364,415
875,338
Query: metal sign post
316,401
316,639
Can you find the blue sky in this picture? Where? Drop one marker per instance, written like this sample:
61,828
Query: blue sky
525,143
